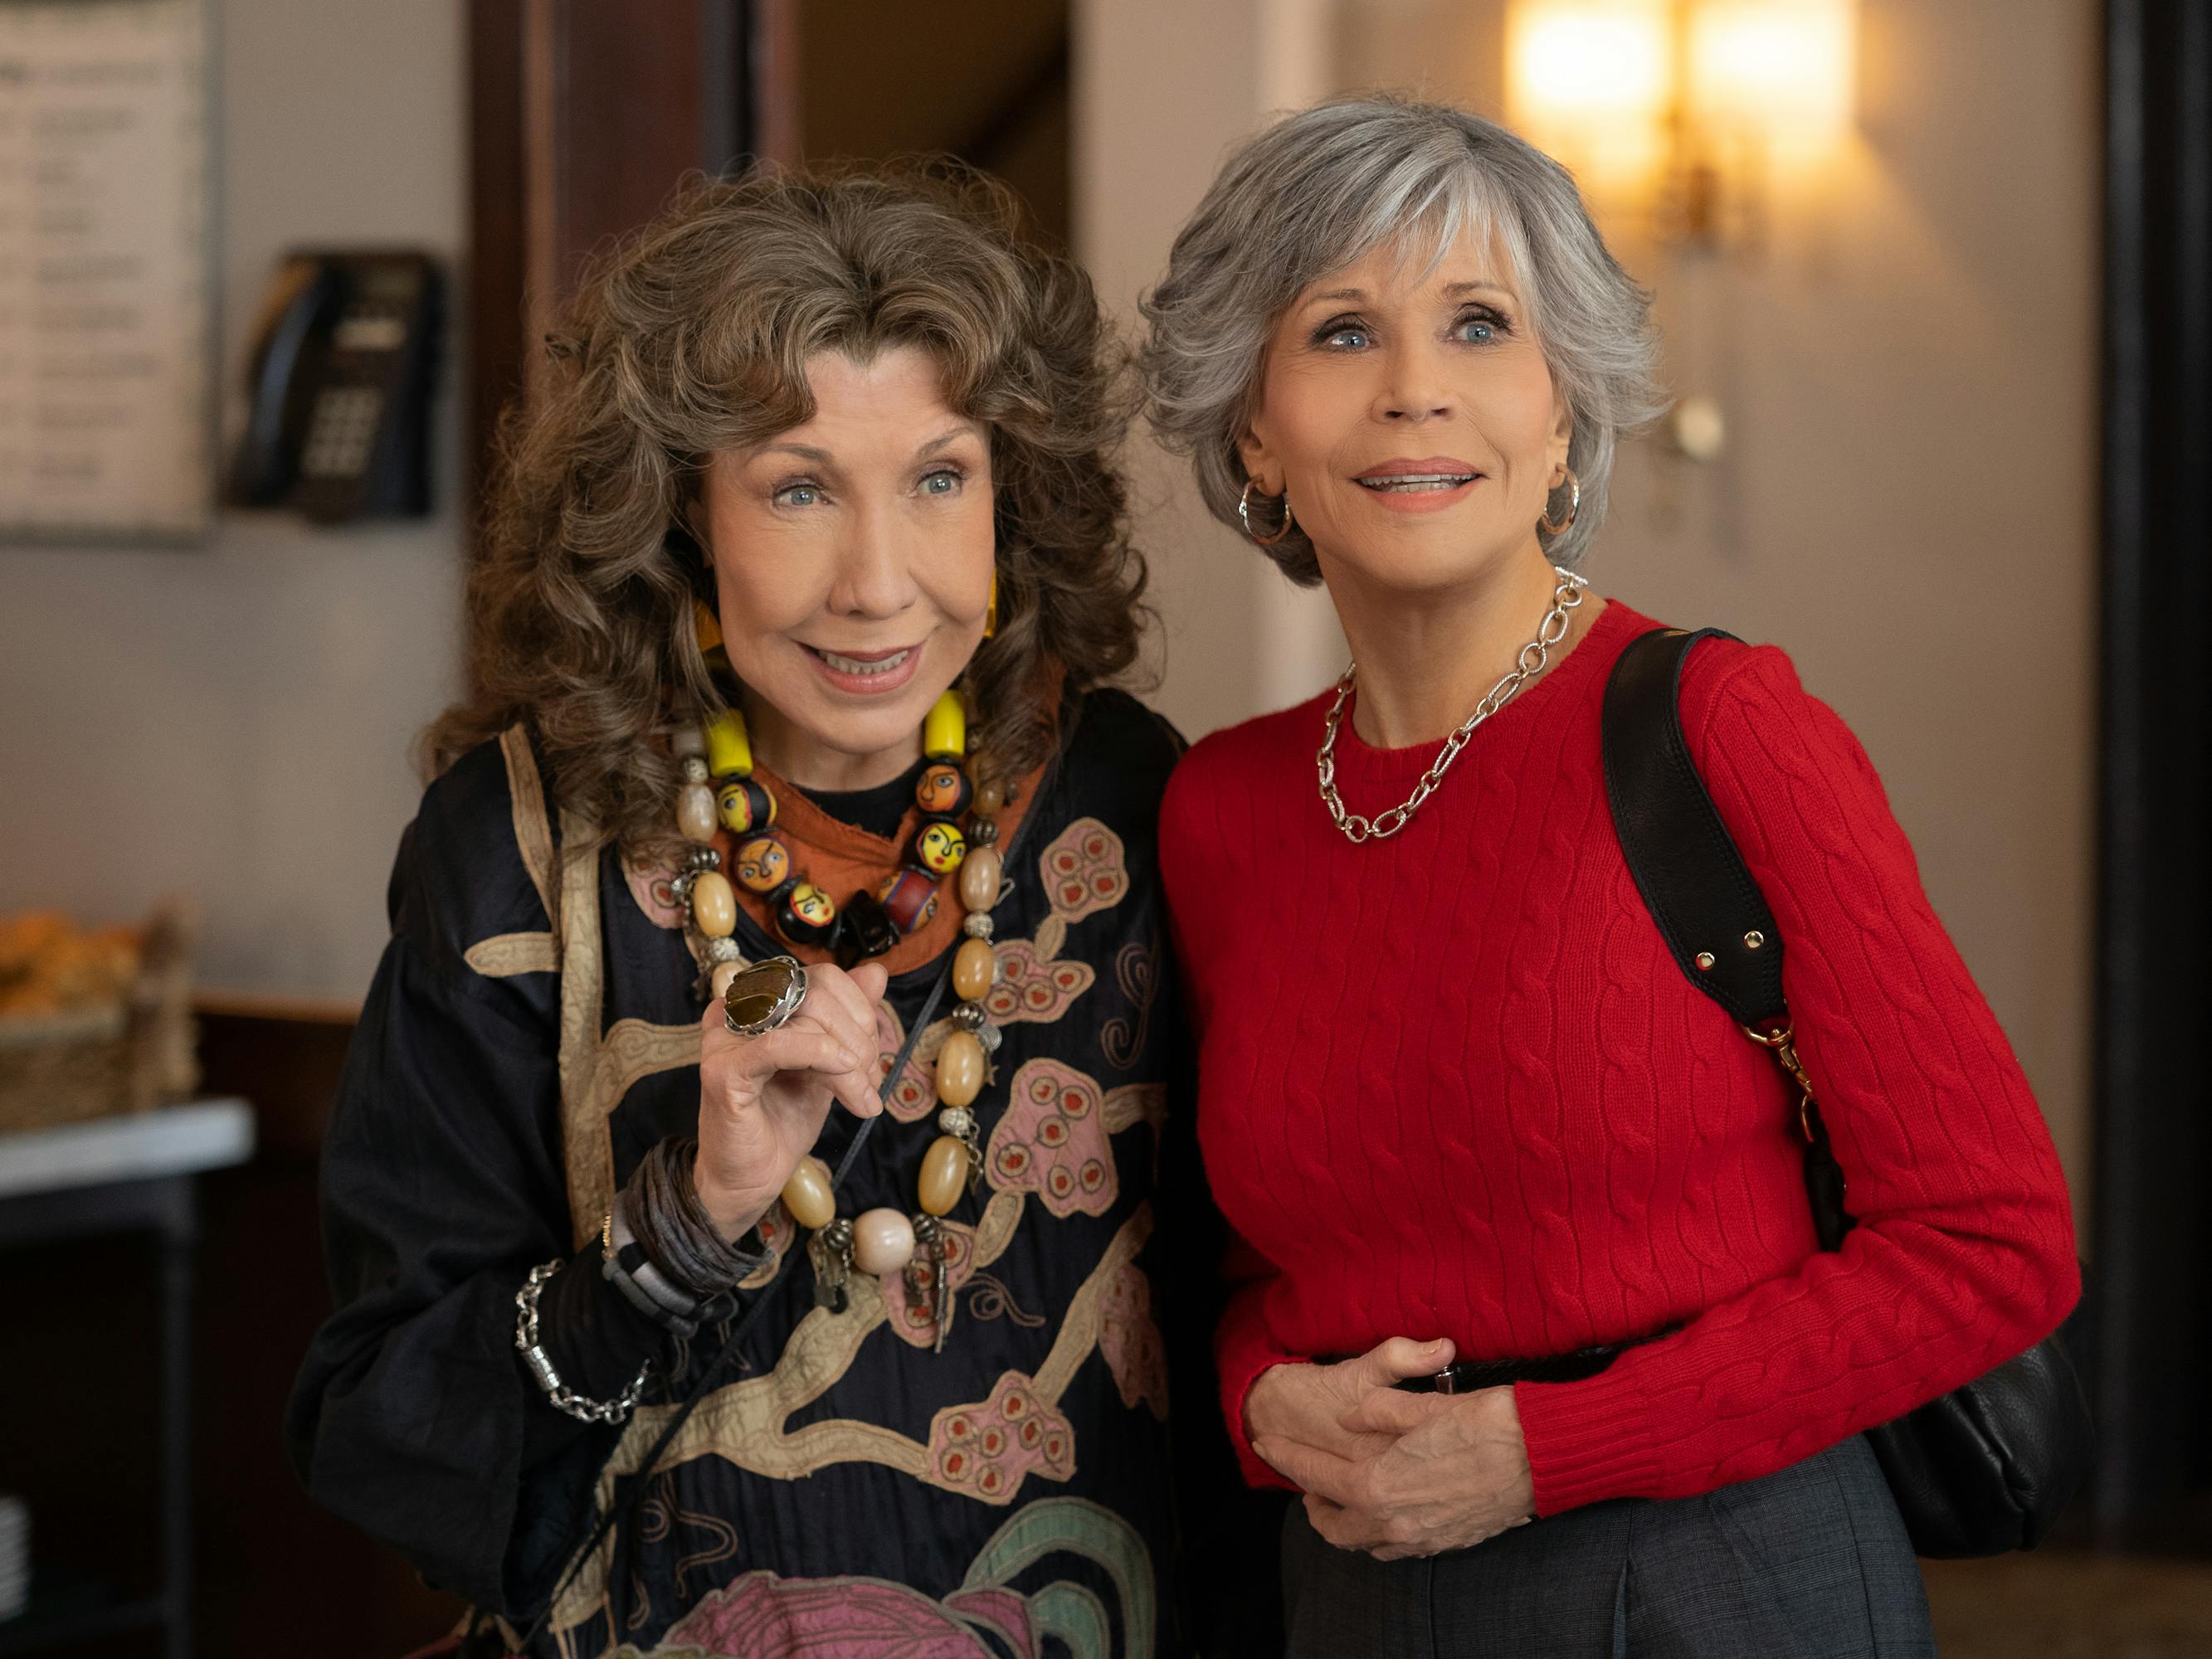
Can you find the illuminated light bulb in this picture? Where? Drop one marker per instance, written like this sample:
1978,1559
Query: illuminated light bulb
1592,81
1776,72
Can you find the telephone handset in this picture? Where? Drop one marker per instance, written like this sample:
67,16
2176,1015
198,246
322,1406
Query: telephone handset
345,360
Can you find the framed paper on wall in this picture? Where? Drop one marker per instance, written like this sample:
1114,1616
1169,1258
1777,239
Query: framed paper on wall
108,427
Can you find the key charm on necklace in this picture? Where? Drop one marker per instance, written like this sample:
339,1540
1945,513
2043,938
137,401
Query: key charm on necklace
929,1281
831,1250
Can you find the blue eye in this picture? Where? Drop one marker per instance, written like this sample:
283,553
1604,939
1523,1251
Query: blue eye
940,483
1346,339
799,494
1481,328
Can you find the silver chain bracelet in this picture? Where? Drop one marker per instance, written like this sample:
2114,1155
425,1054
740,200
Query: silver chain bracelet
541,1365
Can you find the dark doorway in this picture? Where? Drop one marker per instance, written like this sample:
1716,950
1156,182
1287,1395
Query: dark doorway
2153,1307
880,78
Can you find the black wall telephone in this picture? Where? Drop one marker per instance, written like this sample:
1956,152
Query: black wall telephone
345,360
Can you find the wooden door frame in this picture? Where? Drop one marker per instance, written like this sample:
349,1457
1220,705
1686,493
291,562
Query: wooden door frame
583,116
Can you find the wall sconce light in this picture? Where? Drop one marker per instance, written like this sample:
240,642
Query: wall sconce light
1696,108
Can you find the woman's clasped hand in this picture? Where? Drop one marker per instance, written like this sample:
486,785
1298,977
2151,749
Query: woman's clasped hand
1394,1474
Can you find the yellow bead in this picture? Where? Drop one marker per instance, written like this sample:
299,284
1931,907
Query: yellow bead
944,1173
729,750
714,905
959,1068
980,873
694,813
808,1194
945,732
973,970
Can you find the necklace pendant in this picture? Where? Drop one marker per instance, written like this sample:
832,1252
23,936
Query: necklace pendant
866,929
832,1251
929,1279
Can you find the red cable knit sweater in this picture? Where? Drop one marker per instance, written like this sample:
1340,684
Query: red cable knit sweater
1453,1084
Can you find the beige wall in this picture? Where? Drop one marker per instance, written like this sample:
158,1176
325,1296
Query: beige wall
1910,374
233,721
1163,87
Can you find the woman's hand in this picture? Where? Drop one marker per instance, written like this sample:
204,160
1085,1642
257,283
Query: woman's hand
1455,1472
762,1100
1306,1406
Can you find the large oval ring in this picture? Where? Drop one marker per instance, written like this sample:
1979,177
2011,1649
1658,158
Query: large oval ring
763,996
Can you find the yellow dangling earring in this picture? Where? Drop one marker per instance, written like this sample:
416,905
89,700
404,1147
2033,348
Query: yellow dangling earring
991,616
707,629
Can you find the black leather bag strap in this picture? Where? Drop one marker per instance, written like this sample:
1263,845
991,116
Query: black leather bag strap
1709,909
1705,901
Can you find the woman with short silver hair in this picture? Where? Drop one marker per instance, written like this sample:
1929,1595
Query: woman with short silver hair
1460,1097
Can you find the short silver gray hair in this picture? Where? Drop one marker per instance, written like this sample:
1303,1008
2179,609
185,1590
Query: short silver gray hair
1322,189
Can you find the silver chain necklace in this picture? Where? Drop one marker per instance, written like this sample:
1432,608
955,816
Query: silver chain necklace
1529,664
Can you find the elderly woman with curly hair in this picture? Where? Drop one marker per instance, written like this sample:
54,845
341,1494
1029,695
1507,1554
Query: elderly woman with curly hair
1478,1126
790,778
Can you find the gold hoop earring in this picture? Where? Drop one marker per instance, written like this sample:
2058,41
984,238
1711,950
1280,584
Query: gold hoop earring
991,616
1574,488
1244,515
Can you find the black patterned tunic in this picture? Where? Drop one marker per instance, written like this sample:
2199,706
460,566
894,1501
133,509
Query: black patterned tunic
531,1032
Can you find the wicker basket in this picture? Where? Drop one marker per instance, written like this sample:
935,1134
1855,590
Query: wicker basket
130,1057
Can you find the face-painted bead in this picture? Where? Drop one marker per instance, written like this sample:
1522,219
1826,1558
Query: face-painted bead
807,915
729,750
910,899
944,791
744,804
763,864
939,848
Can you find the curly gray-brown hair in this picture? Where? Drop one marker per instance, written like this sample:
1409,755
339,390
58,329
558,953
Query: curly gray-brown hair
692,337
1319,191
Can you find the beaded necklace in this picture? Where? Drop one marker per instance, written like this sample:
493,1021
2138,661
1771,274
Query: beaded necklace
719,791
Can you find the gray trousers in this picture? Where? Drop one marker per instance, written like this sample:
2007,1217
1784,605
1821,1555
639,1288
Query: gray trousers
1811,1563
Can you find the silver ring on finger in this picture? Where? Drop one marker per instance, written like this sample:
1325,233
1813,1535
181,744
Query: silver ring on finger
761,998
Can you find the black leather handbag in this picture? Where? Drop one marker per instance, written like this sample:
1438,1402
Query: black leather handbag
1987,1467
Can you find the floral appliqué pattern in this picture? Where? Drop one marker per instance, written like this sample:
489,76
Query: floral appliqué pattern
986,1449
1052,1141
1129,1340
762,1615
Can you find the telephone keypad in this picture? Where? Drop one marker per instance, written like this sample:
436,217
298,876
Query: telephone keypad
343,432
